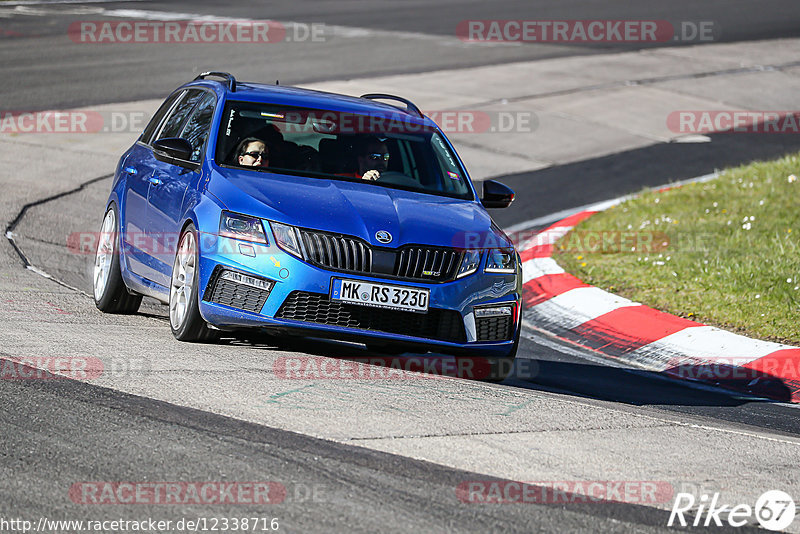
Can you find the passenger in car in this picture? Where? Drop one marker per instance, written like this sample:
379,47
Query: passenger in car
253,152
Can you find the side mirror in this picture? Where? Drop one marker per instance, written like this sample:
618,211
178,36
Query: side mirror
496,195
174,150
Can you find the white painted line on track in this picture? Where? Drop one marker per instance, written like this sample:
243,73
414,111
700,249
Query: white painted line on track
56,2
349,32
549,340
577,306
707,343
339,31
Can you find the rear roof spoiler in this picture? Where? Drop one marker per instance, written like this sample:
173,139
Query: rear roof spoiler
410,106
227,76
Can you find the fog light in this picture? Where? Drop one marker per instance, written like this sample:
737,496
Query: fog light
246,280
498,311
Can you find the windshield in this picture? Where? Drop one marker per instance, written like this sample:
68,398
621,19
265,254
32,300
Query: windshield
387,151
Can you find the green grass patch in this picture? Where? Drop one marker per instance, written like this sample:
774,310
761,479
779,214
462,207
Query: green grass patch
724,252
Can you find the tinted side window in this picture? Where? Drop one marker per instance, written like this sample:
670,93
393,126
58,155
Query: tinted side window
197,127
174,122
152,126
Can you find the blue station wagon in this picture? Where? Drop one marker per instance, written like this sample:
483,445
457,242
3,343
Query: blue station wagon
257,206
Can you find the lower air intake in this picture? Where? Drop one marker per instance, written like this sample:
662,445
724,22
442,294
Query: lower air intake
437,324
493,328
235,290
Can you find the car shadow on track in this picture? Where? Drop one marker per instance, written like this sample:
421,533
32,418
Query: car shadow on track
577,378
588,380
635,387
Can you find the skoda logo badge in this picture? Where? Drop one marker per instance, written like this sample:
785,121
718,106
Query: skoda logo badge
383,236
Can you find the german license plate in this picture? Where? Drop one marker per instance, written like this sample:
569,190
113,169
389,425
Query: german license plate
404,298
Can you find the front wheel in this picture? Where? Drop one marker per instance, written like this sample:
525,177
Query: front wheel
110,293
184,314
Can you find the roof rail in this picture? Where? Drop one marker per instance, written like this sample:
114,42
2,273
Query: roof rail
410,106
225,75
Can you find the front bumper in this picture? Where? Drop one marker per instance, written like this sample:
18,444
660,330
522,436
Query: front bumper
450,324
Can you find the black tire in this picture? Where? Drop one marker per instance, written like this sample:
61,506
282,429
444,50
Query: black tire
113,297
193,328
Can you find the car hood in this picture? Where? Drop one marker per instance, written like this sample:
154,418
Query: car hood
358,209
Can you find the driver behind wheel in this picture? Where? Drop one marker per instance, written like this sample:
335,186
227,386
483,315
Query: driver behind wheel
372,159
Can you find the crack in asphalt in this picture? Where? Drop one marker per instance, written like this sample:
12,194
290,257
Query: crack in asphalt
38,240
9,233
506,432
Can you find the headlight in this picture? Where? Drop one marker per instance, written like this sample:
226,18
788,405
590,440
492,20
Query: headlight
472,258
244,227
286,238
501,261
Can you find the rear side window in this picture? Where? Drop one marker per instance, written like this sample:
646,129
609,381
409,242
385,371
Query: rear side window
172,126
152,126
198,125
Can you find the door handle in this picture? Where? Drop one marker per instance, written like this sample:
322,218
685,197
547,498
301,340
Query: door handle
131,170
154,181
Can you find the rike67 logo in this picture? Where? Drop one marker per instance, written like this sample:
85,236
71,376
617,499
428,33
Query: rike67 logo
774,510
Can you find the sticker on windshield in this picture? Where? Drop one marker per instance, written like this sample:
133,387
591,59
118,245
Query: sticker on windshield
230,120
453,175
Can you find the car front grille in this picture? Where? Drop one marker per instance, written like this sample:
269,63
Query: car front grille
437,324
337,252
424,263
352,255
493,328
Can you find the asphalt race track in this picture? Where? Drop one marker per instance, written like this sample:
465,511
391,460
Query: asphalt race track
358,455
397,37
